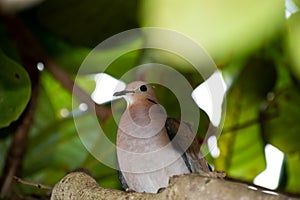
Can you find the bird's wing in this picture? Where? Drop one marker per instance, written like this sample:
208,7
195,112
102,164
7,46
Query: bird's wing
184,141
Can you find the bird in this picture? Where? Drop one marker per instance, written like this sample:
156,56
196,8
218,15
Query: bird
152,147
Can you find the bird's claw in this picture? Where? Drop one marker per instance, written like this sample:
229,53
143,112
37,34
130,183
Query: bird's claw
130,190
160,190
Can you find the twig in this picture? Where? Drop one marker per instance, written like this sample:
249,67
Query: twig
38,185
241,126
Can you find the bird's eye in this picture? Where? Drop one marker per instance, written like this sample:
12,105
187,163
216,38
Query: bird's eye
143,88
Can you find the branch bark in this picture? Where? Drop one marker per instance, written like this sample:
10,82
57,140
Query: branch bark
79,185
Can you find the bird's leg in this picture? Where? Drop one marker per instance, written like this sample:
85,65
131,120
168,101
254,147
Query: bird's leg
130,190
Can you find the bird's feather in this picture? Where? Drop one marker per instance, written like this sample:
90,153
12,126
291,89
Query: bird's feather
145,158
185,142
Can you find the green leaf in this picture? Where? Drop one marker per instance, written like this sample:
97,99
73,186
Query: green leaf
293,165
52,87
294,43
241,145
281,120
15,90
223,28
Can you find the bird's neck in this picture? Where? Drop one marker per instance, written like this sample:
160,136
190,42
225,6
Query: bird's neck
142,114
139,114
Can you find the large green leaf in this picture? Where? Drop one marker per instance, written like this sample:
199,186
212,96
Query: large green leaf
15,90
222,27
281,120
241,145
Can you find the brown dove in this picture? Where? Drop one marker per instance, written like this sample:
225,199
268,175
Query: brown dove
152,147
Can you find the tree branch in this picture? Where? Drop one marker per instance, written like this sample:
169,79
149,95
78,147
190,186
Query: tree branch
240,126
79,185
17,149
38,185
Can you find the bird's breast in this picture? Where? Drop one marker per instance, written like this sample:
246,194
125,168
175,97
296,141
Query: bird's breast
145,154
143,122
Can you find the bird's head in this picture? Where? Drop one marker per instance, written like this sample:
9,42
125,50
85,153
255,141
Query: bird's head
138,91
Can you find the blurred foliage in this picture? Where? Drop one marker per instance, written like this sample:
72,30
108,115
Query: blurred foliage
294,43
244,99
13,80
282,109
234,27
70,19
256,48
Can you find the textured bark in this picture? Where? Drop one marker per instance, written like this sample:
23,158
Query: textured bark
79,185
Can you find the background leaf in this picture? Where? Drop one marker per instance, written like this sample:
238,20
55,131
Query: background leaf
283,109
241,144
223,28
294,43
15,90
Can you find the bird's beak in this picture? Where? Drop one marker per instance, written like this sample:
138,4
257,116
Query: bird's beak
121,93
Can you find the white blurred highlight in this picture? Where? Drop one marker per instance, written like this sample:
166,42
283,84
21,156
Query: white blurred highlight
269,178
213,146
290,8
64,112
40,66
106,86
83,107
209,96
